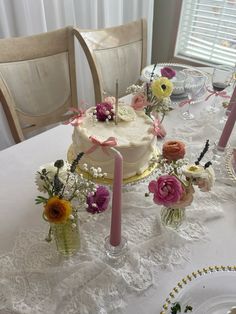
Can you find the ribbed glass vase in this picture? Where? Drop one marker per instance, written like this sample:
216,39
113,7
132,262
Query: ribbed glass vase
172,217
67,237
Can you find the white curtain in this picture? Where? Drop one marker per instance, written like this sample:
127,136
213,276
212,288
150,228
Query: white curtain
28,17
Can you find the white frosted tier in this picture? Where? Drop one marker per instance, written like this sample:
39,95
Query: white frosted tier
134,139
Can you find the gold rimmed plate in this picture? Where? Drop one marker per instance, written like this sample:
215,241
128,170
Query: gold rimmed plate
231,164
211,290
131,180
178,94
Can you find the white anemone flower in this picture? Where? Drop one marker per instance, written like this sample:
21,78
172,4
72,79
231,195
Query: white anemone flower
193,171
51,170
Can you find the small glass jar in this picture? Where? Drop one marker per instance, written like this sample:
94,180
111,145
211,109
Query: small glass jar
172,217
66,236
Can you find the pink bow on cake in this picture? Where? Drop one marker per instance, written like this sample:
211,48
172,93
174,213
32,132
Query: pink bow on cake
77,118
110,142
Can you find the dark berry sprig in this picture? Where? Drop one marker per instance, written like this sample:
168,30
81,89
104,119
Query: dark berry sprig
205,149
75,162
208,164
152,73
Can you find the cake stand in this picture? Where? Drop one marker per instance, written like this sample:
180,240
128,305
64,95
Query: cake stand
129,181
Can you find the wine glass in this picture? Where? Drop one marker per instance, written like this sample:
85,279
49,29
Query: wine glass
221,78
227,108
193,84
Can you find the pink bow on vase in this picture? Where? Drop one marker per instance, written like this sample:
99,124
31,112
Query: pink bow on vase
110,142
222,94
158,129
185,102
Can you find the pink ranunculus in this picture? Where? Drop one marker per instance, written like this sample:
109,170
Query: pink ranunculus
167,190
168,72
139,101
110,99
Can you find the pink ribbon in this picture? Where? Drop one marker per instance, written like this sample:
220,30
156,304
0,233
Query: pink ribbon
222,94
185,102
158,129
77,118
110,142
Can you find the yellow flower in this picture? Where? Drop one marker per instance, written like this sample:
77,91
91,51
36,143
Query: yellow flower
57,210
162,87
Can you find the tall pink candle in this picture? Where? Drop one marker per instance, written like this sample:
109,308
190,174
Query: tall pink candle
115,232
229,125
232,101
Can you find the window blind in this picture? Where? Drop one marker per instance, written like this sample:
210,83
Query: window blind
207,31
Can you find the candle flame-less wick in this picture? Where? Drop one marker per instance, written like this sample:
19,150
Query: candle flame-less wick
116,104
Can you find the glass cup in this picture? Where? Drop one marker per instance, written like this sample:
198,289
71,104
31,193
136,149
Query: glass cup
221,78
193,84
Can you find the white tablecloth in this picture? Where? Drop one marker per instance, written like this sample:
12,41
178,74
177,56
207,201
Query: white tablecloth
158,259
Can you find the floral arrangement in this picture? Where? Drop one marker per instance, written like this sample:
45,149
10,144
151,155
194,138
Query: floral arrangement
67,191
105,111
154,97
174,187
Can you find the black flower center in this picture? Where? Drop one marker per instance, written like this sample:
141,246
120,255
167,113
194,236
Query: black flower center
163,86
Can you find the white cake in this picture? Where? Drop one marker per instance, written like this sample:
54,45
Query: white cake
135,141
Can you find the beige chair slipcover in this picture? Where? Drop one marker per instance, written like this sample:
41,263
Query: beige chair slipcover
37,80
115,53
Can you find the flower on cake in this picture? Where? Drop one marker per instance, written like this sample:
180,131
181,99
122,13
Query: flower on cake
174,186
139,101
105,111
66,191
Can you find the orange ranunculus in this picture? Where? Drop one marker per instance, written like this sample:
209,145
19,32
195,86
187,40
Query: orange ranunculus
57,210
173,150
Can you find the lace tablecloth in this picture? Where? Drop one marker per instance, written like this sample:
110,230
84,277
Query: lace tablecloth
35,279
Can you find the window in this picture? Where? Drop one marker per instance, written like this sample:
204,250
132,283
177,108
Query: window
207,32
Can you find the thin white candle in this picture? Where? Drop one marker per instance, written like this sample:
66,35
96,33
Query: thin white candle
116,104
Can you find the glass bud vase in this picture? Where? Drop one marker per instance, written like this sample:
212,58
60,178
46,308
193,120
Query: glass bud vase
172,217
66,236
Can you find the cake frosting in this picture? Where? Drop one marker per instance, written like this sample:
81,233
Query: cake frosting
134,140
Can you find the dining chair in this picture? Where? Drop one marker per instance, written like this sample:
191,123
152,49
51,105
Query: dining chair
113,53
37,81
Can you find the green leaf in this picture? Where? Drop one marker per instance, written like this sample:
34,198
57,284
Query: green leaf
40,199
